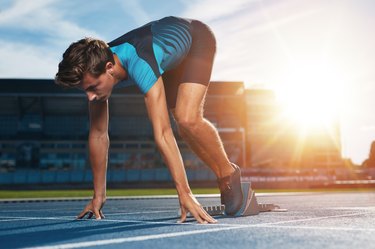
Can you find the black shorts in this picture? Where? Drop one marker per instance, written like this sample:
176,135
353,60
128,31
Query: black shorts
196,67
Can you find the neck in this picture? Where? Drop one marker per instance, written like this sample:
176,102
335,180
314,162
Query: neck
119,71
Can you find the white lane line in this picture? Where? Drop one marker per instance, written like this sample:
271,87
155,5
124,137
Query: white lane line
357,229
39,210
80,209
7,218
16,218
70,218
144,212
177,234
351,208
186,233
131,239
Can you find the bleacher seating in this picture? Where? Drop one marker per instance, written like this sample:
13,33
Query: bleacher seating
44,129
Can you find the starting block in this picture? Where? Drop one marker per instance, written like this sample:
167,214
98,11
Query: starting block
250,205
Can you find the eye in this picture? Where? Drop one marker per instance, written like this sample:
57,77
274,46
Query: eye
92,88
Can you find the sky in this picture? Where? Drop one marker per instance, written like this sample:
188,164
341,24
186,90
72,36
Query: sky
317,52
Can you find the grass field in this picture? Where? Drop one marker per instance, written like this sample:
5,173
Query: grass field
16,194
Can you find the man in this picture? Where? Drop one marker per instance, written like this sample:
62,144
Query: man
170,60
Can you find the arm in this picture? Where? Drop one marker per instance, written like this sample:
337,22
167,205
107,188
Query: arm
98,153
158,113
99,145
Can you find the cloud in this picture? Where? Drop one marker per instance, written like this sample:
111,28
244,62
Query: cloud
211,10
45,19
21,9
249,45
51,31
26,61
134,9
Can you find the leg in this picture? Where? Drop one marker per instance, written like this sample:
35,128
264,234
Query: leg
201,136
186,100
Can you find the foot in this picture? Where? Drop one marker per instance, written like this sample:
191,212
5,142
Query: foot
231,191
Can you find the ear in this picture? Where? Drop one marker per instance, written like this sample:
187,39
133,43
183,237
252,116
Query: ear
109,67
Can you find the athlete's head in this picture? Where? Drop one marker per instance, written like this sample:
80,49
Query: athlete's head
87,64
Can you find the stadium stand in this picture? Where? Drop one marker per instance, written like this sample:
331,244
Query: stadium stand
44,129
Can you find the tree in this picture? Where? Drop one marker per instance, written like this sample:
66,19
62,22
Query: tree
370,162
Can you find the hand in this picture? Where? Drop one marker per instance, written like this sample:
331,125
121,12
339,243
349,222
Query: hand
94,207
189,203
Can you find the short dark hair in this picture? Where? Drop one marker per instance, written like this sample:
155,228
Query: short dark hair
87,55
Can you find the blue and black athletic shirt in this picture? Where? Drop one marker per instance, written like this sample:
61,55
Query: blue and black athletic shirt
147,52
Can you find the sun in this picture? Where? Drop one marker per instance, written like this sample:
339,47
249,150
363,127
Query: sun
311,94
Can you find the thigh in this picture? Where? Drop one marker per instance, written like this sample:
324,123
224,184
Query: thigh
172,80
186,85
190,101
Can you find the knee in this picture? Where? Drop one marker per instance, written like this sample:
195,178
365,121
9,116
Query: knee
187,123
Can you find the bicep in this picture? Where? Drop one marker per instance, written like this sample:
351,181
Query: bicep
98,117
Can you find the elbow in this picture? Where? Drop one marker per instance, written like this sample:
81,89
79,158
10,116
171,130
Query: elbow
98,135
163,136
95,137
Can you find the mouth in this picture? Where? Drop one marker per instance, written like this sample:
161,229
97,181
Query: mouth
101,99
104,98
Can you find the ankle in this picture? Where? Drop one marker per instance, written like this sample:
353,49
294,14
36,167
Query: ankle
226,171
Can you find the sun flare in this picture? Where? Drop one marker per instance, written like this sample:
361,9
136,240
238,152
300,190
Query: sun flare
311,94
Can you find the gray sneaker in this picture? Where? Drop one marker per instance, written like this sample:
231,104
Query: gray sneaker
231,191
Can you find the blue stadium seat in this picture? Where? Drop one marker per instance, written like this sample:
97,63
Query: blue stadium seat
34,176
162,175
62,176
117,175
8,125
88,176
20,177
49,176
77,176
6,177
190,174
61,125
135,125
147,175
133,175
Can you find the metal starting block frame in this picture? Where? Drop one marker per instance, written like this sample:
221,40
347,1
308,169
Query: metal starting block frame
250,205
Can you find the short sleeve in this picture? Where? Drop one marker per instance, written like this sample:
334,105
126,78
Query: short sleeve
142,75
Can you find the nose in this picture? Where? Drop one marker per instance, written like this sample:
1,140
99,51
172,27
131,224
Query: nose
91,96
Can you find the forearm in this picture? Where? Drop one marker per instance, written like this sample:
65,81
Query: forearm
170,152
98,146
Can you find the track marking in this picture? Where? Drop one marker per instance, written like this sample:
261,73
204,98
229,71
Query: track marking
357,229
217,229
70,218
144,212
13,218
79,208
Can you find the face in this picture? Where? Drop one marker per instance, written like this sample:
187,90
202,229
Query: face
98,88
